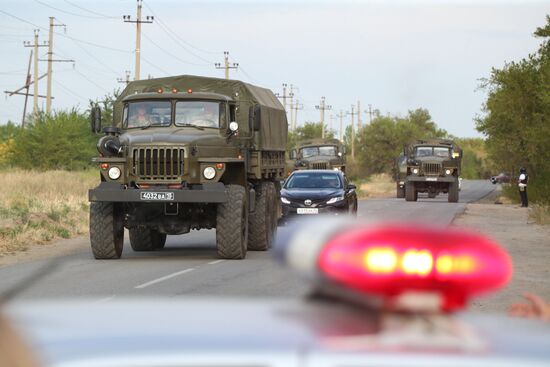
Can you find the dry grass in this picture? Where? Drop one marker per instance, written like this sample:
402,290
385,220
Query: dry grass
540,214
39,207
377,186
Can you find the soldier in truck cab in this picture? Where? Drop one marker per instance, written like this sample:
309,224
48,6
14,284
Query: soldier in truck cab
140,118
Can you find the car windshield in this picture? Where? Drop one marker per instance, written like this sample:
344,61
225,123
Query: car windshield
198,113
313,180
150,113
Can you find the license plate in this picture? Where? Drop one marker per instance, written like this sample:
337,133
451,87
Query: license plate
157,196
431,179
308,211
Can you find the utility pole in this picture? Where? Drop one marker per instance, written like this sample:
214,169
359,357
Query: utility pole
331,117
322,107
126,80
138,21
359,122
370,112
291,96
341,115
283,96
297,106
352,113
50,61
226,65
35,46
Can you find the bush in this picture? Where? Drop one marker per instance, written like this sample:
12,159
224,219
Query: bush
59,141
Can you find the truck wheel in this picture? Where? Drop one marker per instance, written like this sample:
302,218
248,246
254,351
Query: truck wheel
159,239
232,224
410,192
260,224
453,192
141,239
106,230
400,192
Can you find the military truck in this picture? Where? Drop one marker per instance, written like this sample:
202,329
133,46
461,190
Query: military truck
400,172
319,154
433,167
189,152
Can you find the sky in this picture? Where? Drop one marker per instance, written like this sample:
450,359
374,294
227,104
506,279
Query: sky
393,55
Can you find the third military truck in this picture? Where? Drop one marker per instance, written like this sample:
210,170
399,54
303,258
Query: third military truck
433,167
185,153
318,154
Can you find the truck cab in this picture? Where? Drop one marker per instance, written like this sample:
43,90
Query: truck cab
319,154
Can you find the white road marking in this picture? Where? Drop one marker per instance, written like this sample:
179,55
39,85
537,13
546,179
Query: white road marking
103,300
162,279
215,262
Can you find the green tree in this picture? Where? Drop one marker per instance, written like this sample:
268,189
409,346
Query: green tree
517,116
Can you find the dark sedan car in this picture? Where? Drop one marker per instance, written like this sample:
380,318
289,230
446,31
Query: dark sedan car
318,192
502,177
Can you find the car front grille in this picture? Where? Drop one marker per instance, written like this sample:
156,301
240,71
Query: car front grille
322,165
431,168
158,164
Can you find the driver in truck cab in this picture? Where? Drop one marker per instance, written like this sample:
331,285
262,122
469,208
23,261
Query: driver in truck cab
140,118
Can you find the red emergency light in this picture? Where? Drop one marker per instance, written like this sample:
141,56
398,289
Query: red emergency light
390,261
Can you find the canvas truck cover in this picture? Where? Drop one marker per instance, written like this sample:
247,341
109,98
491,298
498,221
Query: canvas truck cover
250,99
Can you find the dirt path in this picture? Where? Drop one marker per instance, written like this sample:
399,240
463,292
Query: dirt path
527,243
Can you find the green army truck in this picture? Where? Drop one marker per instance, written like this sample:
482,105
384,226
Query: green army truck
400,172
318,154
433,167
189,152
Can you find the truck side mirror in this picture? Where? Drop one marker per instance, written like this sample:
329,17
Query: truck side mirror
257,118
95,119
344,149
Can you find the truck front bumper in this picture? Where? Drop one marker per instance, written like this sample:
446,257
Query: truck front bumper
114,192
430,179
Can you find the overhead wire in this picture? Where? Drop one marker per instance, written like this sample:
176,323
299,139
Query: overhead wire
155,66
66,12
169,53
90,11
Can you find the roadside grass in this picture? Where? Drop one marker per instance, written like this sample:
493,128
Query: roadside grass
540,214
37,207
376,186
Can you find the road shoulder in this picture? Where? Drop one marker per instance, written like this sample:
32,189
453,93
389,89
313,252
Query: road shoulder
527,243
48,250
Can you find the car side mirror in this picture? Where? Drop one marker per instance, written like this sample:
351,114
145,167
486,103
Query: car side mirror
352,187
95,119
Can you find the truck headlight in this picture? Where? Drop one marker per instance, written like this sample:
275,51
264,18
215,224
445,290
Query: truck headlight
415,171
114,173
448,171
209,173
285,200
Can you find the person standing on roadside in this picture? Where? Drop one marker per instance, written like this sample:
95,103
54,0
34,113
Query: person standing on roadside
522,185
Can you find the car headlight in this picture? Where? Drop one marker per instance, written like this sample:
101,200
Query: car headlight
335,199
285,200
114,173
209,173
415,171
448,171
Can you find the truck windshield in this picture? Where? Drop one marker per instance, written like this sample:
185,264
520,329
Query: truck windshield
327,151
432,151
198,113
313,151
150,113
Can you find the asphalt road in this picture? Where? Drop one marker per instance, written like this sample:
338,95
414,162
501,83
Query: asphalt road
188,264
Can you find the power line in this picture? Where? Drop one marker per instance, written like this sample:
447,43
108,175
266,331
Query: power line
90,11
169,53
181,39
155,66
65,11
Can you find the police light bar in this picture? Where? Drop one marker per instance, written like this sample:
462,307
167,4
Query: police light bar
392,261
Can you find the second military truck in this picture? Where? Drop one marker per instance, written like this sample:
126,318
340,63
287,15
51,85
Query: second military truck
184,153
433,167
318,154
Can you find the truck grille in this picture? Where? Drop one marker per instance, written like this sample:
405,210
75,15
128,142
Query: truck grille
157,164
431,168
323,165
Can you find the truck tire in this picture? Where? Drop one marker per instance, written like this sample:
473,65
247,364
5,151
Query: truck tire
232,224
453,192
146,239
260,224
400,192
410,192
106,230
